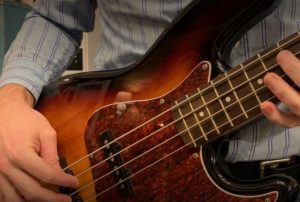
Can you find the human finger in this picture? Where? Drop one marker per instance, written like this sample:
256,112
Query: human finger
8,193
283,91
48,150
290,64
286,119
31,190
33,164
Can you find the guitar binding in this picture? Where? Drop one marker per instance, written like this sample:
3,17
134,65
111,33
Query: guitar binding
243,178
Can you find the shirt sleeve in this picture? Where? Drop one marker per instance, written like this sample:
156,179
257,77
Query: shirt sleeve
47,42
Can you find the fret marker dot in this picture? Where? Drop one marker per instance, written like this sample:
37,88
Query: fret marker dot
259,81
201,114
227,99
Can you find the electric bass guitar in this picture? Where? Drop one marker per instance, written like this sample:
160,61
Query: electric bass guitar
151,131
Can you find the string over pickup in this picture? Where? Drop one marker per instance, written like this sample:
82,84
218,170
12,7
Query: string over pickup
121,174
68,190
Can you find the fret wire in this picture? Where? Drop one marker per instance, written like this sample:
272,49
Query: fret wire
217,129
263,87
200,126
262,62
270,52
221,103
233,88
185,124
278,46
233,73
211,131
236,96
251,85
245,66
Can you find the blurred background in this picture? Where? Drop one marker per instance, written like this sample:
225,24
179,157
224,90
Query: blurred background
12,13
11,16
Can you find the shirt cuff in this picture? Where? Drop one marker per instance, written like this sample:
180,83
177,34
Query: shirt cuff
26,73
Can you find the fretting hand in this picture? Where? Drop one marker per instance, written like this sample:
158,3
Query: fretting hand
284,92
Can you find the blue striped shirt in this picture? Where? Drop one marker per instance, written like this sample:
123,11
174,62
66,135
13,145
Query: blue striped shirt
52,32
264,139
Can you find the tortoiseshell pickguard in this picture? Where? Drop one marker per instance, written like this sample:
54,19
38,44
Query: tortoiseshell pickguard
157,174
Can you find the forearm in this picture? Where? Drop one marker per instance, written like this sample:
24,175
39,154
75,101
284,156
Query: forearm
16,93
39,54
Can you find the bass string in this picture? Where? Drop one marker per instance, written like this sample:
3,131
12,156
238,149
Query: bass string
155,117
167,140
152,164
160,129
147,152
177,135
183,102
149,121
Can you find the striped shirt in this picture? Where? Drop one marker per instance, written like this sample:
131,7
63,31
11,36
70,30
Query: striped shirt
264,139
52,32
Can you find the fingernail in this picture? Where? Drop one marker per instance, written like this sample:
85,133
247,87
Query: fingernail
266,109
76,183
64,198
270,80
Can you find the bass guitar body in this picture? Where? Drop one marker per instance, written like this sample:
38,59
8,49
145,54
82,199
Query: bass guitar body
124,136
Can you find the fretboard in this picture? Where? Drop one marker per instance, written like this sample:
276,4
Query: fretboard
231,99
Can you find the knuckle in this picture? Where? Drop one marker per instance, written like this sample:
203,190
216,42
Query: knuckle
50,133
15,156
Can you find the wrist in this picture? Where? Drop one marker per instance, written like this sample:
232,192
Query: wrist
16,93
